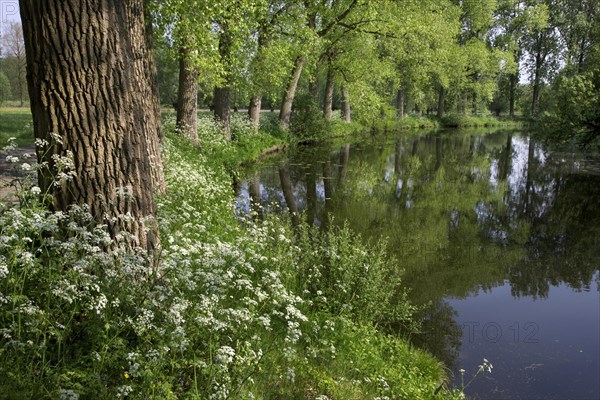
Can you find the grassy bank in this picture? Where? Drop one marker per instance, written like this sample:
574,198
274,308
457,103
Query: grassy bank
230,308
412,123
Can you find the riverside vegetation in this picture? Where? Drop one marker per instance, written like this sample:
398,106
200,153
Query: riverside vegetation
228,308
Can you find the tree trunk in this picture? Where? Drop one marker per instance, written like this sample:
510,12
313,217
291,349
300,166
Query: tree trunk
288,99
313,89
328,100
223,109
21,79
187,97
536,83
154,150
254,110
222,95
441,102
346,116
535,97
511,95
400,101
92,105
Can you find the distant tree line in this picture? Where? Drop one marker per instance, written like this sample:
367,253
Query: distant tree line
371,59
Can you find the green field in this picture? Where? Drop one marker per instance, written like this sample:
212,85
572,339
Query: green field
16,122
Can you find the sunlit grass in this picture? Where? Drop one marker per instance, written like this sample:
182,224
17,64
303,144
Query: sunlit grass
16,122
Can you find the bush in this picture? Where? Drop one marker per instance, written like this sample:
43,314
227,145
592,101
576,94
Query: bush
307,122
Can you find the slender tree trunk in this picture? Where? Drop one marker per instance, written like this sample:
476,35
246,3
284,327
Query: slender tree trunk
346,113
222,95
536,84
400,101
328,100
313,89
256,99
441,102
21,80
581,57
511,95
187,97
93,108
286,106
254,110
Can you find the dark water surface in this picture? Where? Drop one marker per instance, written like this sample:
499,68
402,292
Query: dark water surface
498,236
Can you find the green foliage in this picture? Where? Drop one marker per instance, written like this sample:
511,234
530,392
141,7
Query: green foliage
221,311
464,121
344,277
5,92
576,111
307,122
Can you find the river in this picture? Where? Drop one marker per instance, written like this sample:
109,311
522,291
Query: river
498,236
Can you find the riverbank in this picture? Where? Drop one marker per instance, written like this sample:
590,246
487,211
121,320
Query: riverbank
229,309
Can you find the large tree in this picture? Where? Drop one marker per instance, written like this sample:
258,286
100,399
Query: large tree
92,99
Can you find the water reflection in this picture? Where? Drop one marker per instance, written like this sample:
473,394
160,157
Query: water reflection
469,217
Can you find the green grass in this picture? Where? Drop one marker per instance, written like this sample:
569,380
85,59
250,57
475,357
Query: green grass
16,122
240,308
470,121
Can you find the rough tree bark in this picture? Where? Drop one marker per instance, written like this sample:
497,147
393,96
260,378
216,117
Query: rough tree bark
92,101
254,110
187,96
288,99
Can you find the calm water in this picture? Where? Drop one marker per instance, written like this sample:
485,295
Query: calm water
499,238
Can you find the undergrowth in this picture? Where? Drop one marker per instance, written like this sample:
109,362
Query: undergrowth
229,308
